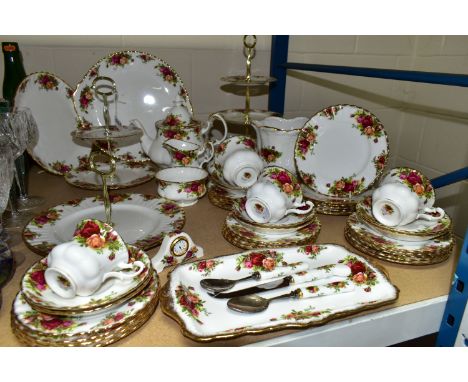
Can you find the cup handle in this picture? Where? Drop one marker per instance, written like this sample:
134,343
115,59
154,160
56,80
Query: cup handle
125,276
428,210
301,212
209,125
209,157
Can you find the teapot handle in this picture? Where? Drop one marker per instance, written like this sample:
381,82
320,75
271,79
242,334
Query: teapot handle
209,125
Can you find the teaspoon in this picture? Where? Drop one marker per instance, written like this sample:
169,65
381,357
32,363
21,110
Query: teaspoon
221,285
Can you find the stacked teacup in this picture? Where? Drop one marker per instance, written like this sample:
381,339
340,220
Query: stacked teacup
273,213
235,167
399,222
91,291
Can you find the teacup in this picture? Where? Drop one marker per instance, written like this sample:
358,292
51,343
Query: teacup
81,266
276,194
395,204
183,185
242,168
188,154
417,182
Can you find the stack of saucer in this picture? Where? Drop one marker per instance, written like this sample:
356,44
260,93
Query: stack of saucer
241,231
40,317
221,195
420,242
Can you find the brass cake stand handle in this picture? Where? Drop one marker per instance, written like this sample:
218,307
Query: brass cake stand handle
104,175
249,46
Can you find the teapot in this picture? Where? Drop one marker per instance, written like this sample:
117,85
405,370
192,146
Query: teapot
180,125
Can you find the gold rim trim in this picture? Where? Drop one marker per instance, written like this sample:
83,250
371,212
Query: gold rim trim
168,309
395,258
83,311
364,216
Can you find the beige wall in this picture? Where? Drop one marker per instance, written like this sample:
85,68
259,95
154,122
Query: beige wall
427,124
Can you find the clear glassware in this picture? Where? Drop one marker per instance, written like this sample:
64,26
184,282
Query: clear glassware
6,179
21,130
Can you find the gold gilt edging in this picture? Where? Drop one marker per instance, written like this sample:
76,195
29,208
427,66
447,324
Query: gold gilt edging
168,309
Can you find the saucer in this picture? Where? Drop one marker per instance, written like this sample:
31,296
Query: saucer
37,329
418,230
41,298
289,223
126,175
406,252
243,237
223,197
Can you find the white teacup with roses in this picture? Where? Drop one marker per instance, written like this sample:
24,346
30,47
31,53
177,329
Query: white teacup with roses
96,254
188,154
276,194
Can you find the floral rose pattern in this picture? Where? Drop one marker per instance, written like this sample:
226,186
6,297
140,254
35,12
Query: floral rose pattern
170,260
346,186
119,59
49,323
248,142
145,58
361,274
306,141
192,188
169,209
27,233
270,154
183,158
86,98
97,235
265,261
49,217
190,302
311,250
308,179
113,318
61,167
205,267
368,124
331,111
305,314
285,181
46,82
380,161
173,121
167,73
415,181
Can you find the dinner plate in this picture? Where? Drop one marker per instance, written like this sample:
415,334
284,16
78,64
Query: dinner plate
141,220
147,88
341,151
204,318
126,175
50,100
39,295
417,230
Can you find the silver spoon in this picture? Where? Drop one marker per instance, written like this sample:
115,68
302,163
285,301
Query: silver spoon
221,285
253,303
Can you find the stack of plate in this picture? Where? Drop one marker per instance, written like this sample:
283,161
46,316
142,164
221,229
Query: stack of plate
421,242
39,317
340,153
240,230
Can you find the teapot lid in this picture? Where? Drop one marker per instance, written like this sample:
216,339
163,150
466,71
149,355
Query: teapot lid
180,111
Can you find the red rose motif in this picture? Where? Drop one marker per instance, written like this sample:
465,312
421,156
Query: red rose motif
51,324
119,316
90,228
178,155
257,259
350,186
39,279
249,143
414,178
194,186
366,121
170,134
201,266
283,177
357,267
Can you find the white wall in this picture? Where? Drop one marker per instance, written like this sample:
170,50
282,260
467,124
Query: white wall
427,124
